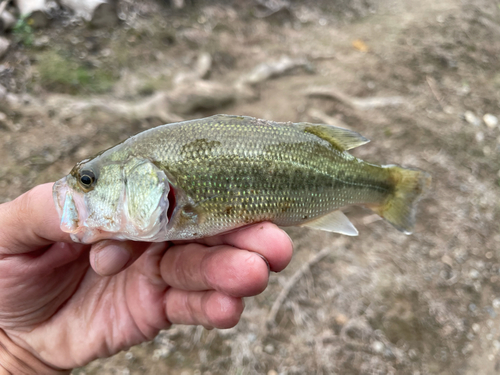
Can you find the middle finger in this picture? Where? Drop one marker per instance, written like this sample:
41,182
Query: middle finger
232,271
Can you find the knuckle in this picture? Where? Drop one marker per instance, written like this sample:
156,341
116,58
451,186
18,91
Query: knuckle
223,311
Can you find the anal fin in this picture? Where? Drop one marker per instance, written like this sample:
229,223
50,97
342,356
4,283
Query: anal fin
334,222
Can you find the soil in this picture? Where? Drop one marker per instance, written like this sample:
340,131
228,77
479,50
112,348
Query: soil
379,303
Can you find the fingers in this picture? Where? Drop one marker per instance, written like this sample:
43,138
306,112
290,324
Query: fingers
211,309
263,238
110,257
30,222
195,267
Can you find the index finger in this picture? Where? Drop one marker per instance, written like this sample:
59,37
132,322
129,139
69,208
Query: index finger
265,238
30,222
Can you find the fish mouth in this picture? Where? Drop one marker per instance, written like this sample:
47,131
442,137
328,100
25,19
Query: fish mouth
70,206
73,213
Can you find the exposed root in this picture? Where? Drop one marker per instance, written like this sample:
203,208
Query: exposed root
356,103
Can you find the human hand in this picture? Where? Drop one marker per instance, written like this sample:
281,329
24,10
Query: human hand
64,304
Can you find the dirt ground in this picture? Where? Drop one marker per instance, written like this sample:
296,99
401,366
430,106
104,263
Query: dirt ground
415,77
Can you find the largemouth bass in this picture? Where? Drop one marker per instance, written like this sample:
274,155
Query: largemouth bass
203,177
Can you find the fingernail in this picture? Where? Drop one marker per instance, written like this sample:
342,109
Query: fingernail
291,241
111,259
267,263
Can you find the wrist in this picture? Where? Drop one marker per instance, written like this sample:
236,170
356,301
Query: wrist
16,360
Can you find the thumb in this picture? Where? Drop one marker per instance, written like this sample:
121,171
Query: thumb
30,222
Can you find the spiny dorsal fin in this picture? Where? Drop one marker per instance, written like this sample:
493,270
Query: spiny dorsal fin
334,222
340,138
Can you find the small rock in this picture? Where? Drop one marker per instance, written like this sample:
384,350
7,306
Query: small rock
490,120
38,19
6,123
479,136
341,319
160,353
178,4
129,356
7,20
471,118
272,372
467,348
105,15
4,46
378,346
42,41
412,353
476,328
446,259
474,274
496,303
269,349
257,349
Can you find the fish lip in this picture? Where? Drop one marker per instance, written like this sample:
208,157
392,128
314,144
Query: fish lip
61,192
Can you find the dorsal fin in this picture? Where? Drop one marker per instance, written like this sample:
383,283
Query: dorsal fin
340,138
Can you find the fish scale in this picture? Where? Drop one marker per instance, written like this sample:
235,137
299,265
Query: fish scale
230,171
292,172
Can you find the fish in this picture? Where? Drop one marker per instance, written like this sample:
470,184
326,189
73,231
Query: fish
204,177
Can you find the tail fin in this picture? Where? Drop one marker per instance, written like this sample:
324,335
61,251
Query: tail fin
400,207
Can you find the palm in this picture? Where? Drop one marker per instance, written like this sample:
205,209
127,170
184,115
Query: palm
84,305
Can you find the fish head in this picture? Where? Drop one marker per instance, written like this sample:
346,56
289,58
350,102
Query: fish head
113,199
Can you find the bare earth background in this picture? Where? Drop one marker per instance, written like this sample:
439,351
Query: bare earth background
415,77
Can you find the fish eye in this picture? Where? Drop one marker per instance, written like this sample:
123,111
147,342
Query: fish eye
87,178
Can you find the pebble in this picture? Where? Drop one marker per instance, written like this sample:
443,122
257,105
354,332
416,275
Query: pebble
272,372
378,346
341,319
476,327
496,303
479,136
474,274
471,118
4,46
467,348
269,349
496,345
160,353
129,356
446,259
412,353
490,120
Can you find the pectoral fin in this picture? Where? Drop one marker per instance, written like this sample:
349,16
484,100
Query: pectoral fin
335,222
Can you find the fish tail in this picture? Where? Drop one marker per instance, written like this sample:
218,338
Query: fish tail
400,207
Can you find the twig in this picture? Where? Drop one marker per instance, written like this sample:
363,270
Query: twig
271,317
432,85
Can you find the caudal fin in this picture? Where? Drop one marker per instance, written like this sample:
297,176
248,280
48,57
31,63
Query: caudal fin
399,209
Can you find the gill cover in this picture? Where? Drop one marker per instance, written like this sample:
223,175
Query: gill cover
146,202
